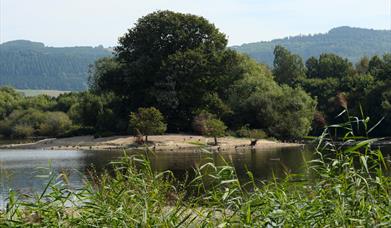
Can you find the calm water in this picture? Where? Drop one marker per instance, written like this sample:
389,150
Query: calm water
25,170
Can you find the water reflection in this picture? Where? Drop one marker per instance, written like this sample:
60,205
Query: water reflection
263,163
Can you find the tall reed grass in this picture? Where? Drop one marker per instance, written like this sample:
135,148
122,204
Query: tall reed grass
345,185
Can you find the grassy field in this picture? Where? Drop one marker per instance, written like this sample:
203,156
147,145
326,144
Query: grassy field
36,92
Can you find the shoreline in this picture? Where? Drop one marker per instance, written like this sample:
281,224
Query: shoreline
169,142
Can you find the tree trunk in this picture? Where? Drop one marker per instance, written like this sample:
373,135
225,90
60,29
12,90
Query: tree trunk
146,138
215,141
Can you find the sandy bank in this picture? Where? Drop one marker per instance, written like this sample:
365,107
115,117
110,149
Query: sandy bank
158,142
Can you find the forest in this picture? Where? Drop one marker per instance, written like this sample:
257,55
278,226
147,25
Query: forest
31,65
178,66
348,42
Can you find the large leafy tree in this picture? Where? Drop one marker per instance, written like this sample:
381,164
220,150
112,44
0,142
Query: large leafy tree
171,61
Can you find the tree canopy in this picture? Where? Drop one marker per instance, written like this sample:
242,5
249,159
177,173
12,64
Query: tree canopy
147,121
171,61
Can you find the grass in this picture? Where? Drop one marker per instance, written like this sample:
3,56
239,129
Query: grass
343,186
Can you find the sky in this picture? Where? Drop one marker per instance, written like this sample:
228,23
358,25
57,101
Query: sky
100,22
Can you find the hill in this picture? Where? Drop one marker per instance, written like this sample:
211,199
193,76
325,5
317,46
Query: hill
352,43
32,65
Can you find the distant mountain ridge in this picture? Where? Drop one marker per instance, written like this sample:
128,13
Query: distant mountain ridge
348,42
32,65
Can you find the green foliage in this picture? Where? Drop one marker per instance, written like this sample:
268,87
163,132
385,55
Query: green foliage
32,122
147,121
56,124
22,131
40,102
259,101
293,124
207,124
9,100
173,61
331,65
288,68
214,128
380,68
103,74
199,122
362,67
363,87
31,65
101,112
246,132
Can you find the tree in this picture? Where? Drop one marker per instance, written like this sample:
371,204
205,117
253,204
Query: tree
147,121
288,68
259,101
312,65
170,61
9,101
363,65
104,74
207,124
331,65
376,66
296,123
199,122
215,128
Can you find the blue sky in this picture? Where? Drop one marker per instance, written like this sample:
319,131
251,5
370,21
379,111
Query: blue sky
94,22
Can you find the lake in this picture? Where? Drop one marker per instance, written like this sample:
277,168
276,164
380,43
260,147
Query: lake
26,170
